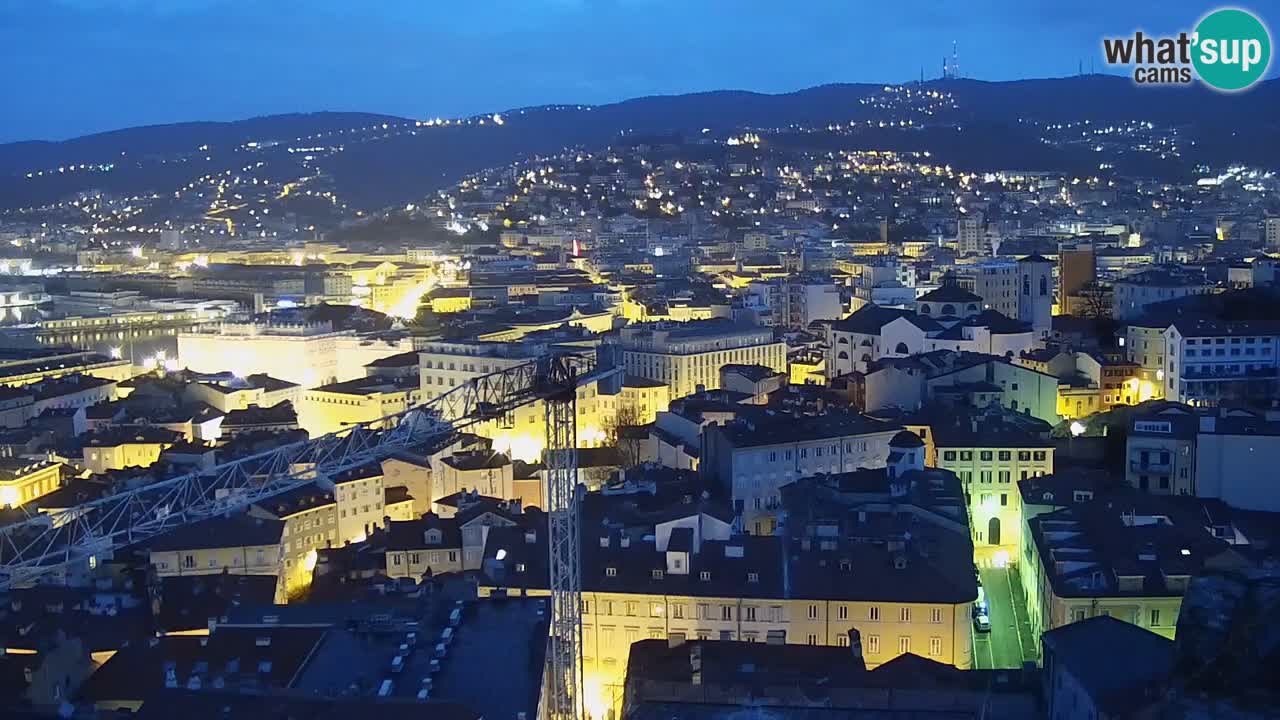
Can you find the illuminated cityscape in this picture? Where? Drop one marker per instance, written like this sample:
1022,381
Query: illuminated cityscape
952,396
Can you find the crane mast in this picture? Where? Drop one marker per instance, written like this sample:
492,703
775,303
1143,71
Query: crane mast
564,659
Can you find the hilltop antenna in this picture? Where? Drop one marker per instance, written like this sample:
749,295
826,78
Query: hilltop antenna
955,59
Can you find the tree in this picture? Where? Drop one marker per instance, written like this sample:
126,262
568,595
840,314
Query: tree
622,432
1095,301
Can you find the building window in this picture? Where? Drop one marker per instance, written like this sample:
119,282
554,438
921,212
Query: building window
611,572
813,612
1155,618
873,644
935,646
873,613
726,612
904,644
812,639
842,612
704,575
935,615
677,611
750,614
904,615
949,455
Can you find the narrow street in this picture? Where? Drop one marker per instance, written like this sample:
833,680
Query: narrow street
1009,643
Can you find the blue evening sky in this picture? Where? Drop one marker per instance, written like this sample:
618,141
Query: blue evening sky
72,67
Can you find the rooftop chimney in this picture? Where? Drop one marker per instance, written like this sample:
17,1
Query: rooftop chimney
855,646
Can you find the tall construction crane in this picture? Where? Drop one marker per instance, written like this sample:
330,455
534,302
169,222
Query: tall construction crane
67,544
564,660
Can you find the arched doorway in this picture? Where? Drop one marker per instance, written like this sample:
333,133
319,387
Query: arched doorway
993,531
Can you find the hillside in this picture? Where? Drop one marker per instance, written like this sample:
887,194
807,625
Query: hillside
373,161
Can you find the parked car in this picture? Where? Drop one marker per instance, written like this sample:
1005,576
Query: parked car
982,623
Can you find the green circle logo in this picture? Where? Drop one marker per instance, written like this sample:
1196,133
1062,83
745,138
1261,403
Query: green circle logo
1232,49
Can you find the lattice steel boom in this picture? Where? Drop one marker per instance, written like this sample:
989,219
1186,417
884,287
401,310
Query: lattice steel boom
564,666
72,540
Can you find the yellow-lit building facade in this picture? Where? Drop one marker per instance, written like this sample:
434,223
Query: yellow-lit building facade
330,408
1112,384
1081,558
990,476
414,474
1046,610
612,621
672,311
642,399
22,481
399,504
487,473
310,516
138,451
236,559
25,372
429,543
261,391
809,369
596,322
690,356
361,502
521,433
238,545
1078,401
308,355
450,302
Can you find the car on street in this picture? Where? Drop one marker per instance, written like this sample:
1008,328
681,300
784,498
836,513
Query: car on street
982,623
